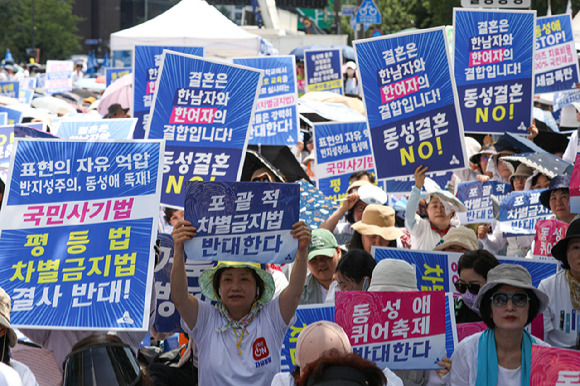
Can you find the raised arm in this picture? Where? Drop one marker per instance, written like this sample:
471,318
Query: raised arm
335,217
186,303
413,202
290,297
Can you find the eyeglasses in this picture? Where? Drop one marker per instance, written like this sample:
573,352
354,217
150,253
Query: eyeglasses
519,299
462,287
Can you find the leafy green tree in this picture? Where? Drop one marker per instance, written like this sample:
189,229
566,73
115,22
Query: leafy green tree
56,28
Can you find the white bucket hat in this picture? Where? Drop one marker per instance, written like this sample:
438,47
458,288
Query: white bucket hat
393,275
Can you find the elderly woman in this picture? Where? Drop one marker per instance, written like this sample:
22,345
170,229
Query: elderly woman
502,354
564,291
239,339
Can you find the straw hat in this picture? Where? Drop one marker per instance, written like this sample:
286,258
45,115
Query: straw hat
319,337
5,306
393,275
461,236
378,220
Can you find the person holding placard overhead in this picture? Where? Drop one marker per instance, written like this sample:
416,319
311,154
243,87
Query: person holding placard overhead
240,339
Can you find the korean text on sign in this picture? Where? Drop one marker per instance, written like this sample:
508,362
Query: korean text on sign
477,197
323,70
519,211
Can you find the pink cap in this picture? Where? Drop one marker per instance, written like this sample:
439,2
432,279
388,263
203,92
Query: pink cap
318,338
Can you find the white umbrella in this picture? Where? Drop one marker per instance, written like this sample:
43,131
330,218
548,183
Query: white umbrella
54,105
121,92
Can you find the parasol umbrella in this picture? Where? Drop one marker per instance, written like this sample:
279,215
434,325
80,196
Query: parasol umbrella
314,207
255,161
281,158
546,163
121,92
90,84
298,52
545,118
53,105
518,143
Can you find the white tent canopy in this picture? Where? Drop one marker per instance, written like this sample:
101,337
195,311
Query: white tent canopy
190,23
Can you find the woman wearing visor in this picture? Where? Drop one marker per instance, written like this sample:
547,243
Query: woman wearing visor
502,354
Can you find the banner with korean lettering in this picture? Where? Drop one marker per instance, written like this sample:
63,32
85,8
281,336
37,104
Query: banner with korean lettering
519,211
78,225
146,63
398,330
58,76
10,89
203,109
405,184
323,70
3,118
276,119
112,74
554,366
14,116
477,197
120,128
242,221
494,69
341,149
168,319
548,233
437,271
25,96
7,134
305,315
411,103
555,60
575,186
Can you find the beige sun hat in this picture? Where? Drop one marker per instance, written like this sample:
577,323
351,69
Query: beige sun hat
378,220
5,307
356,185
461,236
393,275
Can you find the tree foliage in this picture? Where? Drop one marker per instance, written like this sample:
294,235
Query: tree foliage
56,28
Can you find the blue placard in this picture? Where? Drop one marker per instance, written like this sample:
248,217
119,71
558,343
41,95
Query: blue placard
242,221
519,211
112,74
368,13
202,109
341,149
25,96
7,134
563,99
410,100
494,59
3,118
555,59
27,83
167,319
477,197
146,62
323,70
276,117
437,271
77,231
32,130
305,315
10,89
405,184
13,116
100,129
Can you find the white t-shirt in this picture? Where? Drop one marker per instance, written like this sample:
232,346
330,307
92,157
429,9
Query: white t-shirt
219,362
464,364
26,375
561,322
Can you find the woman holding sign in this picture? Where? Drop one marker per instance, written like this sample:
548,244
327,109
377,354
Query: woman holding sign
502,354
240,339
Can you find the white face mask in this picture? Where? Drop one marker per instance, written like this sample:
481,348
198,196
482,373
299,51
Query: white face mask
350,71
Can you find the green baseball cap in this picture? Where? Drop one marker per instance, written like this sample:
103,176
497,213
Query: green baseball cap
323,243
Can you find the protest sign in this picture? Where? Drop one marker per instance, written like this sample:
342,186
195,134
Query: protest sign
242,221
167,319
437,271
119,128
3,118
10,89
555,60
562,99
548,233
276,118
477,197
341,149
575,186
146,63
467,329
32,130
27,83
494,59
58,76
7,134
305,315
25,96
451,339
202,109
411,103
13,116
323,70
112,74
519,211
398,330
405,184
77,233
554,366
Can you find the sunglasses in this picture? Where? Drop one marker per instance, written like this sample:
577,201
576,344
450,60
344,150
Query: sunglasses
519,299
462,287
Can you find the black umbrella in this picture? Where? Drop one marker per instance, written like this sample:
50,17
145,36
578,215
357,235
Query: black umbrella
278,157
546,163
